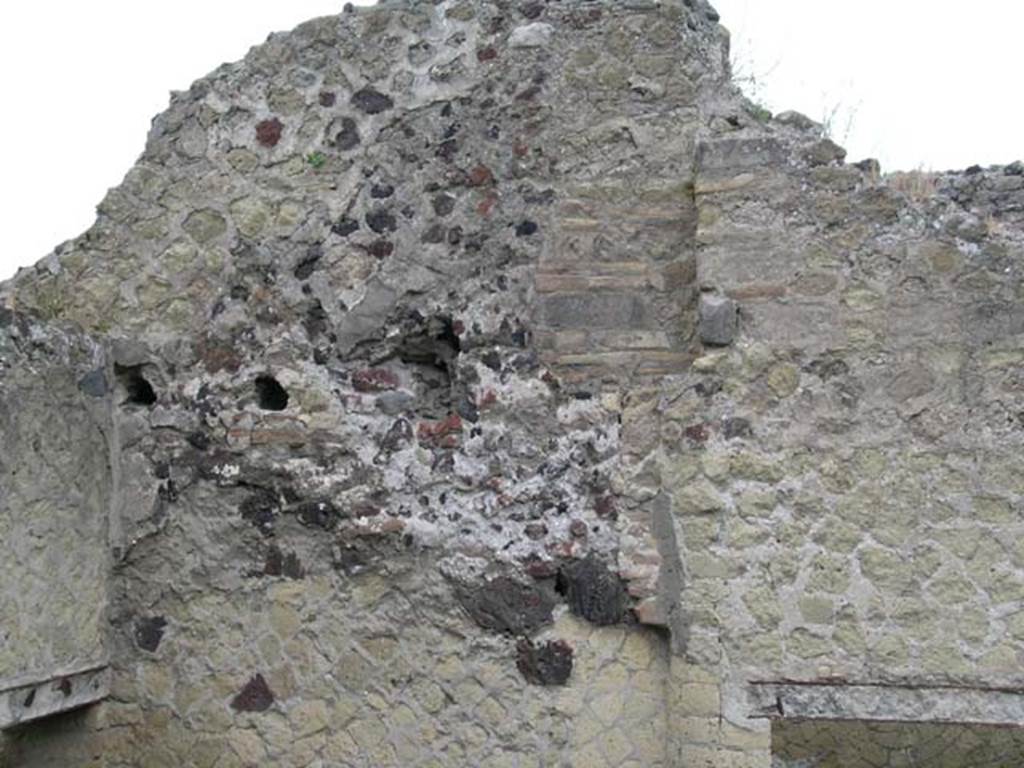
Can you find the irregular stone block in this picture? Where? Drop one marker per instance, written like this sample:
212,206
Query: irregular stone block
718,320
504,605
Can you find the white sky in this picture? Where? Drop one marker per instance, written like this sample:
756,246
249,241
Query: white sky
928,83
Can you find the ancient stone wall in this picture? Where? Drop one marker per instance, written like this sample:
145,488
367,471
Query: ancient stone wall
491,384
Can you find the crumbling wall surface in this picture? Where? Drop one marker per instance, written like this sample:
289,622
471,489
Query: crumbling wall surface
373,297
439,438
54,494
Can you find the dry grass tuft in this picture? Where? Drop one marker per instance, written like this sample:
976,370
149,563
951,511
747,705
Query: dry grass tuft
918,185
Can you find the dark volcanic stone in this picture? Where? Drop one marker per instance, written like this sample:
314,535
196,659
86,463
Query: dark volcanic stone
260,509
504,605
94,383
448,149
316,320
347,136
593,591
434,234
397,436
526,228
281,564
319,514
345,226
827,367
545,664
531,10
371,101
698,433
709,388
149,632
444,205
736,427
256,696
381,220
381,248
308,264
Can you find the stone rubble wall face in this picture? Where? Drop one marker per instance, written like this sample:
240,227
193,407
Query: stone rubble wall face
430,299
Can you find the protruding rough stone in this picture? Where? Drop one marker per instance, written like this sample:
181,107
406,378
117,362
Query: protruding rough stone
718,320
593,591
546,663
507,606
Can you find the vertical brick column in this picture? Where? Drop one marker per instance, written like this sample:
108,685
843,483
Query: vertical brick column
616,284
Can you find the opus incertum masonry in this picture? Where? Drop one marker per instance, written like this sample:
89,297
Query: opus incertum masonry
490,384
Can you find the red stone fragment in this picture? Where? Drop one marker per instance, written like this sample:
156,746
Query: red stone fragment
699,433
487,205
487,399
487,54
605,507
480,176
218,355
443,433
541,569
268,132
374,380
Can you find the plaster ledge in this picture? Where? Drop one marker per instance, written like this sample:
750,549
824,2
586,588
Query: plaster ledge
22,702
887,703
